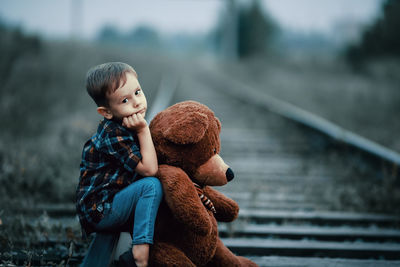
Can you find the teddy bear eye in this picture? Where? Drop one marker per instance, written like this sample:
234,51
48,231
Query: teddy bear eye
215,151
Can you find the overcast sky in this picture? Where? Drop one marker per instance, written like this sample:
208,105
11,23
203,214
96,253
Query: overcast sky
58,18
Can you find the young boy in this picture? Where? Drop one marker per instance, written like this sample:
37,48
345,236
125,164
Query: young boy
116,188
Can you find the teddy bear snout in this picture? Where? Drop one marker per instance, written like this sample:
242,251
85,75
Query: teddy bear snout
229,174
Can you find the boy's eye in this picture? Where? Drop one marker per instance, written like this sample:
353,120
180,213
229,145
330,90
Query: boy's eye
138,92
125,100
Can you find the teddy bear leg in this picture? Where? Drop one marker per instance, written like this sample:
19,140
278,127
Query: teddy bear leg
163,254
224,257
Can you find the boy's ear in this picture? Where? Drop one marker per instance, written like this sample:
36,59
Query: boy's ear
105,112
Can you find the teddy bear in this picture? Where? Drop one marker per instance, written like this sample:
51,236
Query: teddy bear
187,142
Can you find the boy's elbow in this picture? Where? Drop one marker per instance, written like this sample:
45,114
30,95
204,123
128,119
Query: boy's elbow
151,171
147,169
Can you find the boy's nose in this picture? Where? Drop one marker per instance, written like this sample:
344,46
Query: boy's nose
135,102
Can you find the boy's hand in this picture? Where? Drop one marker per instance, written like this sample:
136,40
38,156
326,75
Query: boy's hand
135,122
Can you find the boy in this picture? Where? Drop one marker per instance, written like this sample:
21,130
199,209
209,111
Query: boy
116,188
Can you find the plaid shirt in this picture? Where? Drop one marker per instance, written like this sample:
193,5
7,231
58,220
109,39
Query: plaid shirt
109,160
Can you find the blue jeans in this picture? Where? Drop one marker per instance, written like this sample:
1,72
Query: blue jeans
134,207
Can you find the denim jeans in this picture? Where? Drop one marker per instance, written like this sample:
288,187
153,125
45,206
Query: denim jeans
138,201
134,207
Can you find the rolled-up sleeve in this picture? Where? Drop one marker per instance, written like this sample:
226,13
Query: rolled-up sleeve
122,146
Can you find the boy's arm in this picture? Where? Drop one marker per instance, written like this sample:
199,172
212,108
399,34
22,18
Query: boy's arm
148,165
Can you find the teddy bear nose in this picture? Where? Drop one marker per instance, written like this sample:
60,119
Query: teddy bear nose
229,174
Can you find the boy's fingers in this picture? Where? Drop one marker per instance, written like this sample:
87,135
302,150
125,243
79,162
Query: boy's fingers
132,120
140,117
128,121
125,121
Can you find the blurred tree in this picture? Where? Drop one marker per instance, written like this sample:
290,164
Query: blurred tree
14,45
244,30
109,34
255,31
143,36
381,39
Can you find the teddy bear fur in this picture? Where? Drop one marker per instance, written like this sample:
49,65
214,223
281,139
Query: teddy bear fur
186,139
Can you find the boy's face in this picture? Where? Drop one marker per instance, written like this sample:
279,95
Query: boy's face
125,101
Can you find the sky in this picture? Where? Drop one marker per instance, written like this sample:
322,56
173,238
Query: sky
61,18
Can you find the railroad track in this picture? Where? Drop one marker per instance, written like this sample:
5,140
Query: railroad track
285,179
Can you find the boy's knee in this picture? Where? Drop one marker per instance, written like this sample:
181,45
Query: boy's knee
153,184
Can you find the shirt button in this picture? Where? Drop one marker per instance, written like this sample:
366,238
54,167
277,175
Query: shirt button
100,208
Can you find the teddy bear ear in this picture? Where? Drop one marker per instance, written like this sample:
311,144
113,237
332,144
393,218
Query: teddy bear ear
188,129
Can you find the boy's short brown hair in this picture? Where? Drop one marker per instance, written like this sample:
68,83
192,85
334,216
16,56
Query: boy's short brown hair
106,78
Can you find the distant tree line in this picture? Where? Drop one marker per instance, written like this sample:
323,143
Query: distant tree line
145,36
254,30
140,36
381,39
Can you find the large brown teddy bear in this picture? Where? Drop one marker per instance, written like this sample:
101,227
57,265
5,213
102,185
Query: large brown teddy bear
186,138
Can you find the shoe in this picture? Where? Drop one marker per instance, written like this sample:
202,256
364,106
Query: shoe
126,260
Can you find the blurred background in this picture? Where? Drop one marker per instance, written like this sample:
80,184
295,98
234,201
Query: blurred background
338,59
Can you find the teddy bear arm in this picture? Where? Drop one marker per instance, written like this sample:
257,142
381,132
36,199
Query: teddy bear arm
227,209
183,200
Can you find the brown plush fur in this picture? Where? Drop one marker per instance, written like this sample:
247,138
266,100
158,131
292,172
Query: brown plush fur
186,138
